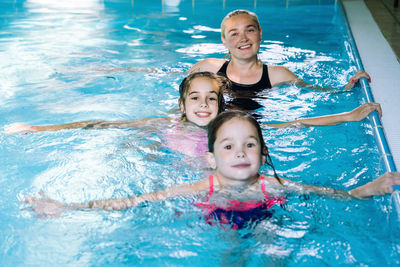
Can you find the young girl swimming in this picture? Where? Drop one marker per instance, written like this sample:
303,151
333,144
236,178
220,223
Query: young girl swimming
236,192
200,100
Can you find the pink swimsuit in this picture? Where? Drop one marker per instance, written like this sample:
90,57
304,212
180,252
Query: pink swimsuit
193,144
239,213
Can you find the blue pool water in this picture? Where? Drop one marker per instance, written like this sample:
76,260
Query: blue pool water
64,61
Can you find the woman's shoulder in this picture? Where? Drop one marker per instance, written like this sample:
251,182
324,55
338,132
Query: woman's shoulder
279,74
208,64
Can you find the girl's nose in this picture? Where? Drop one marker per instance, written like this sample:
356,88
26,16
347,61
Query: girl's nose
240,154
203,105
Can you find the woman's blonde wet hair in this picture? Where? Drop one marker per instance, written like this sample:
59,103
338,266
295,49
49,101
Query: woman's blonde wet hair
234,13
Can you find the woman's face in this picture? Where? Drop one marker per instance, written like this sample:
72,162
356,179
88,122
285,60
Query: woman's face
242,36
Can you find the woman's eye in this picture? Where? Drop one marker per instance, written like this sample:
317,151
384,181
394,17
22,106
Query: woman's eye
228,147
234,34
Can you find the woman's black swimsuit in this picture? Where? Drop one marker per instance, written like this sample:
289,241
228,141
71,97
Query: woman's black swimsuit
246,96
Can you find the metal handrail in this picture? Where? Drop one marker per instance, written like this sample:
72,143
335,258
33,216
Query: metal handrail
379,134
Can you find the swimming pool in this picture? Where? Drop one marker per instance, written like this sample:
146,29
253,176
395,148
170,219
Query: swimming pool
57,59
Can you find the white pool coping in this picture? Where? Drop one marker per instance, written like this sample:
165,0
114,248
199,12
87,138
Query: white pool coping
381,63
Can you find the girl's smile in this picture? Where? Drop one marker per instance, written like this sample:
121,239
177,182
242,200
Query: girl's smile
201,101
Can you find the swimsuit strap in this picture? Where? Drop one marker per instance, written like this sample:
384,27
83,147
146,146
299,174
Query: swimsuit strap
262,178
271,200
211,183
223,68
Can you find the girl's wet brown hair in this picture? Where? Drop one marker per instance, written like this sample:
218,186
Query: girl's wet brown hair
226,116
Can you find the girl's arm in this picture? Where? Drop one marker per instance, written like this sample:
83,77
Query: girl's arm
134,69
46,206
381,186
357,114
282,76
14,128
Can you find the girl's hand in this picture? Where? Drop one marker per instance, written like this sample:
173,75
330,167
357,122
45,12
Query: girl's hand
44,206
380,186
18,127
363,111
356,77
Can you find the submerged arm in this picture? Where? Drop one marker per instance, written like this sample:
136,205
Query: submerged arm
148,70
46,206
357,114
171,192
14,128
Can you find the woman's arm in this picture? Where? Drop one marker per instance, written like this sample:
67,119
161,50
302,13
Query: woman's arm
14,128
381,186
357,114
282,76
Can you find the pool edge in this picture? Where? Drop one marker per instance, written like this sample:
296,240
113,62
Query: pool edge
367,29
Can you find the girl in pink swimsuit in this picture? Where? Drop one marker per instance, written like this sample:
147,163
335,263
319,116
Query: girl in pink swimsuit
236,152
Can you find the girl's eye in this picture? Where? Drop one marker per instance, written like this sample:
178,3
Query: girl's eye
251,30
234,34
194,98
249,145
212,99
227,147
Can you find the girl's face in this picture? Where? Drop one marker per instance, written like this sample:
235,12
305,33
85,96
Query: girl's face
237,152
201,101
242,36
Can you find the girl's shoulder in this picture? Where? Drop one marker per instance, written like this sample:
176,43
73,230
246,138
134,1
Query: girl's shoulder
209,64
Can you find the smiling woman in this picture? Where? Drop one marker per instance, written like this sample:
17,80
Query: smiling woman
241,34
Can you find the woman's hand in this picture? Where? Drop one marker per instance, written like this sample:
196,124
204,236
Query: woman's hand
363,111
355,78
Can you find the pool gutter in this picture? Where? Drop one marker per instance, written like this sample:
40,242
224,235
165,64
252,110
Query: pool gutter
386,156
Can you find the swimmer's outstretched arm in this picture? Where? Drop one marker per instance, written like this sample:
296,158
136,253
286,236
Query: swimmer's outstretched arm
381,186
148,70
45,206
357,114
25,128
